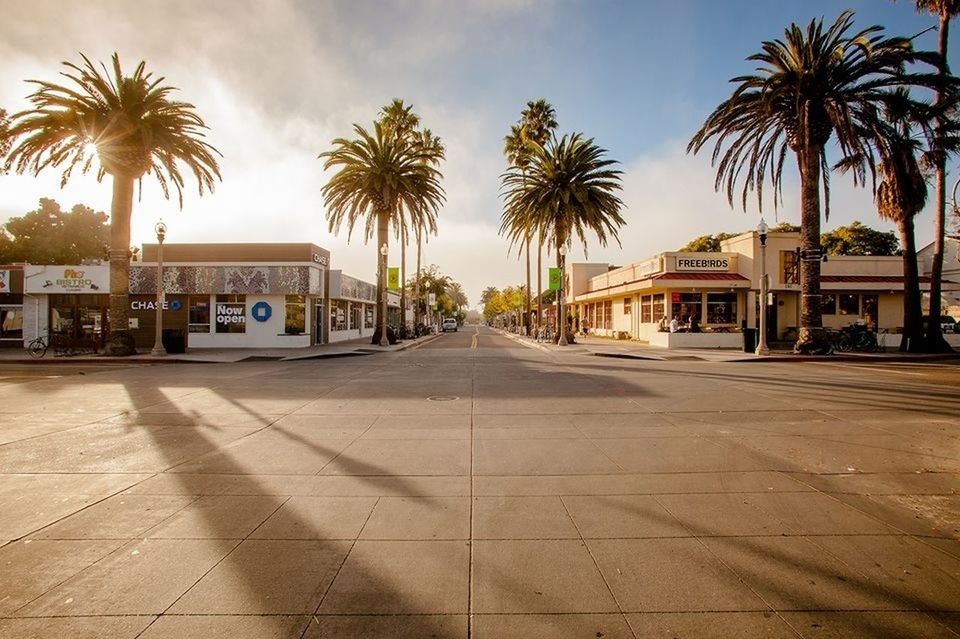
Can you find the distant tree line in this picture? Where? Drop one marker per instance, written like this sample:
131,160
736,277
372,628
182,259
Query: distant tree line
50,235
855,239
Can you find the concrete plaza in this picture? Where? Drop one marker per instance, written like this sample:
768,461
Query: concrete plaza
472,487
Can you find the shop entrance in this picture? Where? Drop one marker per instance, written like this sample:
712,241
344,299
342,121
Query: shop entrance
319,321
772,329
79,320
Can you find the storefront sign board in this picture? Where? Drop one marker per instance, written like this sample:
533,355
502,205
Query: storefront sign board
67,279
556,275
393,278
701,263
231,313
261,311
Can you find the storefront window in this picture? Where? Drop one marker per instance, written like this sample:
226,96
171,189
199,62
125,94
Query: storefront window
828,304
849,304
199,315
870,310
722,308
338,315
295,315
231,314
608,314
658,308
791,270
686,305
646,309
368,315
11,322
62,319
627,306
355,310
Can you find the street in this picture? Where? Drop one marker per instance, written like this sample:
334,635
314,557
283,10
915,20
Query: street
473,487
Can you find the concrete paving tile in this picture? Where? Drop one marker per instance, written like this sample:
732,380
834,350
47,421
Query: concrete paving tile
194,419
226,627
401,577
387,486
670,575
268,452
521,518
24,514
390,457
724,514
319,518
521,421
638,483
216,517
543,576
266,577
378,432
849,625
882,483
419,518
679,454
923,515
949,546
516,432
74,627
543,405
416,422
141,577
31,568
539,457
14,430
393,626
915,575
622,516
791,573
118,517
817,514
710,625
45,484
565,626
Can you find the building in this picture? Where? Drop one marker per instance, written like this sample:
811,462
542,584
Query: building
721,291
215,296
11,306
950,290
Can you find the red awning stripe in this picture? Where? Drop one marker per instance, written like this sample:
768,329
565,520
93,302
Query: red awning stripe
701,276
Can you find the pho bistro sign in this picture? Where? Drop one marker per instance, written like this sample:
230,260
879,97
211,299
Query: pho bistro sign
93,278
701,262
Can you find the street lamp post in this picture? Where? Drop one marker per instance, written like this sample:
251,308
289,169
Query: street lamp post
762,230
562,319
383,287
158,350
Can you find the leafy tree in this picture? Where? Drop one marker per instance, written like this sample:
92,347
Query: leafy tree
4,139
50,235
785,227
859,239
387,176
707,243
570,189
813,86
133,127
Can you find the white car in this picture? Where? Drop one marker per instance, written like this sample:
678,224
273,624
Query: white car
449,324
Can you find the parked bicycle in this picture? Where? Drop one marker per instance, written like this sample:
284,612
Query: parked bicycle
857,337
38,346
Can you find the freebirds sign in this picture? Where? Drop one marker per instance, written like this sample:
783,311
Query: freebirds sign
231,317
699,262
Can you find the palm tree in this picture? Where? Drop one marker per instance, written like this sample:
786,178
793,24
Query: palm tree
539,121
518,155
134,128
381,177
813,86
568,190
944,10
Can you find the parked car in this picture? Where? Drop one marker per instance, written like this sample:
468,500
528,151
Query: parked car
449,324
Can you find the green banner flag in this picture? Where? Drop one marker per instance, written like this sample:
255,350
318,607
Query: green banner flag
393,278
556,276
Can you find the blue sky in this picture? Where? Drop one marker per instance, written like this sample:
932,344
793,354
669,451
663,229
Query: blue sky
276,81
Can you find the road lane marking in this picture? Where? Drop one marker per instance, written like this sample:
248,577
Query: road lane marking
473,342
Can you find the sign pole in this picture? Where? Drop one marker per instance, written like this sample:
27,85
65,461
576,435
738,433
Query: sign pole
158,350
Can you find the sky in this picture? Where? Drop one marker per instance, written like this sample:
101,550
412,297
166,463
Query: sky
277,81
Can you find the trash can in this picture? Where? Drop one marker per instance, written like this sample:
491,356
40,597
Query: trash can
749,340
174,340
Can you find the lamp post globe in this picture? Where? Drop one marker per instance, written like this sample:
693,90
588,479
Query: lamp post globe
762,231
160,228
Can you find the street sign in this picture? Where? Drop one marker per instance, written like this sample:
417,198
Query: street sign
556,276
393,278
432,299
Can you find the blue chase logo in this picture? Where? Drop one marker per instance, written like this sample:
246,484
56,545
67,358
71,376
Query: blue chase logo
261,311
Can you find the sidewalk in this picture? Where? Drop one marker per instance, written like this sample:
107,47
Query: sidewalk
604,347
346,348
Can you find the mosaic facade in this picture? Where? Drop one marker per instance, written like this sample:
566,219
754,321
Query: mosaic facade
199,280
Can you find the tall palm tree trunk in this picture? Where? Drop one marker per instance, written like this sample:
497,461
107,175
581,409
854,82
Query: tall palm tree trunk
121,340
383,228
403,281
417,317
935,339
912,339
811,318
539,283
526,316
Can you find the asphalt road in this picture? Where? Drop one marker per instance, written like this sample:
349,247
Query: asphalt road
473,487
